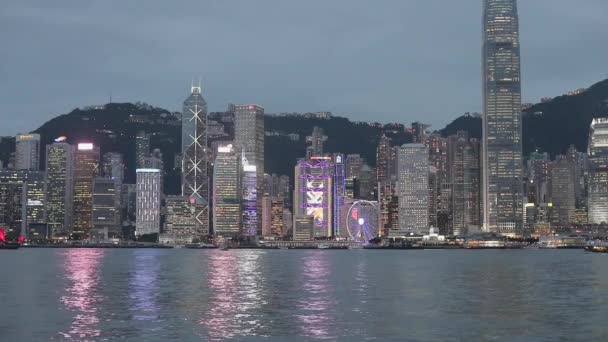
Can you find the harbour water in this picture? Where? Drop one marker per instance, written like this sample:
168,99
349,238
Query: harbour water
278,295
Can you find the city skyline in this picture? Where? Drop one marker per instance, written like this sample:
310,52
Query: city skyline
370,91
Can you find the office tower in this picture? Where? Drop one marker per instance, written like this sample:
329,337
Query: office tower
313,194
383,155
86,167
581,176
128,204
23,200
195,180
59,187
354,164
339,190
464,179
142,147
180,225
413,189
276,217
303,228
113,166
27,152
315,142
598,171
418,131
106,214
149,195
538,177
249,139
386,191
36,198
227,191
13,202
272,216
563,184
287,222
502,132
439,187
251,203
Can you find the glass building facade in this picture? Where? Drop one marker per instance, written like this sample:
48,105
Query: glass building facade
502,132
195,180
413,189
227,191
598,175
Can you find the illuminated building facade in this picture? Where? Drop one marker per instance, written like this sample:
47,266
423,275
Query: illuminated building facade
315,142
339,190
142,147
413,190
106,215
598,173
86,167
227,214
251,203
13,201
59,187
464,178
563,193
313,195
502,131
303,228
149,196
249,139
180,225
195,180
27,152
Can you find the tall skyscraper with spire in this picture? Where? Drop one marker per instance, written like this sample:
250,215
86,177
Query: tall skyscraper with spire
502,132
195,180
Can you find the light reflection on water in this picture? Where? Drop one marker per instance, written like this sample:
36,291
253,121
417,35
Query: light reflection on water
193,295
317,300
235,285
82,298
143,286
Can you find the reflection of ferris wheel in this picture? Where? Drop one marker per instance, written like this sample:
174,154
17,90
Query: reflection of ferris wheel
362,221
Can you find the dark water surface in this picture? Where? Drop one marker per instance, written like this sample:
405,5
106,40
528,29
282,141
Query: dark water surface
252,295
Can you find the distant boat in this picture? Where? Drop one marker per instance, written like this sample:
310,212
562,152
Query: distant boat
323,246
224,248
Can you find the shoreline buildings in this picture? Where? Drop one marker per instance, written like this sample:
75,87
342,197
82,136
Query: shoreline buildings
502,129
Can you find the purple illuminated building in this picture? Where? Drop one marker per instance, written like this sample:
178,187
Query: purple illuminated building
314,193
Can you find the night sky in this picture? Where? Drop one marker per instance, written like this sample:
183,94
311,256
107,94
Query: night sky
388,61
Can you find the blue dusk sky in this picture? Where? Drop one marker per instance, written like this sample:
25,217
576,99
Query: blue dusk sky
387,61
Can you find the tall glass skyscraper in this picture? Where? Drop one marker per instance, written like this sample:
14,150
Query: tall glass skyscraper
195,181
598,175
502,133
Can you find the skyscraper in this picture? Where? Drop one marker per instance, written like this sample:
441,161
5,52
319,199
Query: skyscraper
59,185
464,179
27,152
413,189
598,173
502,132
180,225
249,139
313,194
106,215
149,196
383,156
563,185
315,141
142,147
227,191
86,167
195,180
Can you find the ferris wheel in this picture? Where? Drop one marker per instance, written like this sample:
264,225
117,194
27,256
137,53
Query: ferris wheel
362,221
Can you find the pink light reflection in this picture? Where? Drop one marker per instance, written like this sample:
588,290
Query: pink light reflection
82,297
235,295
318,299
